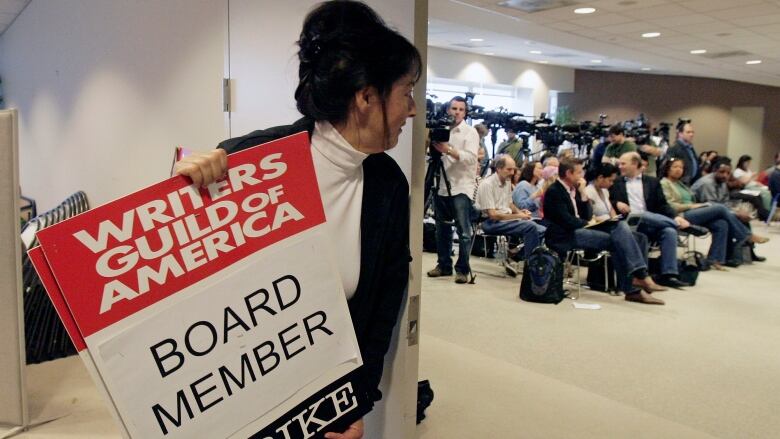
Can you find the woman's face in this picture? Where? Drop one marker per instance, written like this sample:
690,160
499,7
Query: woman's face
676,170
605,182
399,106
746,165
538,170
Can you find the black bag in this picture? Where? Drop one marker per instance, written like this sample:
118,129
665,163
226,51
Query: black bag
596,279
429,238
424,398
481,244
691,264
542,277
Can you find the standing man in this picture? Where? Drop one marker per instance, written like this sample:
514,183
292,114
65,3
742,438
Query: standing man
683,150
637,194
511,146
494,198
454,202
618,145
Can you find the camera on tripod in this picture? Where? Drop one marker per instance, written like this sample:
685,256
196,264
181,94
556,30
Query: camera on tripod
438,123
638,129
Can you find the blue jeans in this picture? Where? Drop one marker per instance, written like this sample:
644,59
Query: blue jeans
459,209
724,226
663,230
529,231
627,255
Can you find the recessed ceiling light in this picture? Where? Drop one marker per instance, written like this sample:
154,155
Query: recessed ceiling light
489,53
596,61
646,69
543,62
651,34
477,40
698,51
536,52
584,10
755,61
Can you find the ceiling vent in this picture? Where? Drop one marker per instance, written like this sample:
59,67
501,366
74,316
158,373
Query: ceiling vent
531,6
721,55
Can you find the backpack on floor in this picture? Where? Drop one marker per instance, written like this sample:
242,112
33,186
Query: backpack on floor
542,277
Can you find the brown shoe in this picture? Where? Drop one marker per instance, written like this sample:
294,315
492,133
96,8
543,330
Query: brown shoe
755,239
438,272
717,267
648,285
461,278
643,297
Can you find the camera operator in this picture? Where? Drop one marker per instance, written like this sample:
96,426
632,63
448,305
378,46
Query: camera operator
618,145
459,159
483,159
511,146
650,152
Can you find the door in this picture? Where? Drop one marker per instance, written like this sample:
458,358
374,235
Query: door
262,67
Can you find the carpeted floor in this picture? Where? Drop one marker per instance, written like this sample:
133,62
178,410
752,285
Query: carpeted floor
707,364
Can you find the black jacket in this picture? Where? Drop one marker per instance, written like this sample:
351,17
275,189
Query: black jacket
384,250
680,151
560,219
655,200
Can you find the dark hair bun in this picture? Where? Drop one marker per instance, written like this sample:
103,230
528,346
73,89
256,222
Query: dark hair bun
344,47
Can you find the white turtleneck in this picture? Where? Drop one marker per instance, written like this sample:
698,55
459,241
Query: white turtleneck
339,169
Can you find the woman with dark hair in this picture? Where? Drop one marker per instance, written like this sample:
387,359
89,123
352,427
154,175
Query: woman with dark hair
356,77
526,195
602,178
717,218
747,180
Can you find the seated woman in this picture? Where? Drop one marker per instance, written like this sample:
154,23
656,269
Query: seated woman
717,218
602,178
747,180
526,195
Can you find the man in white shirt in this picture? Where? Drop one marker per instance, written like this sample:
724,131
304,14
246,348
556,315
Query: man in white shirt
454,202
635,194
494,198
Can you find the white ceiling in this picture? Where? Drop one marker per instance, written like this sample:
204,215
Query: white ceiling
9,9
613,35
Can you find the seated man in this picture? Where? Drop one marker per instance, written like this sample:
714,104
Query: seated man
637,194
568,211
494,198
713,188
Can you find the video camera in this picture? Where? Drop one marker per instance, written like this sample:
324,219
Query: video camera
639,129
437,121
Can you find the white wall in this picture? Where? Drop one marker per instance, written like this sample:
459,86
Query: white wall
106,89
465,66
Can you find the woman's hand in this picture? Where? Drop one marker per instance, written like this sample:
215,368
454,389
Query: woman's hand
355,431
623,208
203,168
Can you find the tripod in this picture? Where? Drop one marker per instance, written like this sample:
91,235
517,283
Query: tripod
433,177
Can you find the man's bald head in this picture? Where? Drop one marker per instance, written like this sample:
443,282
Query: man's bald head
630,163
